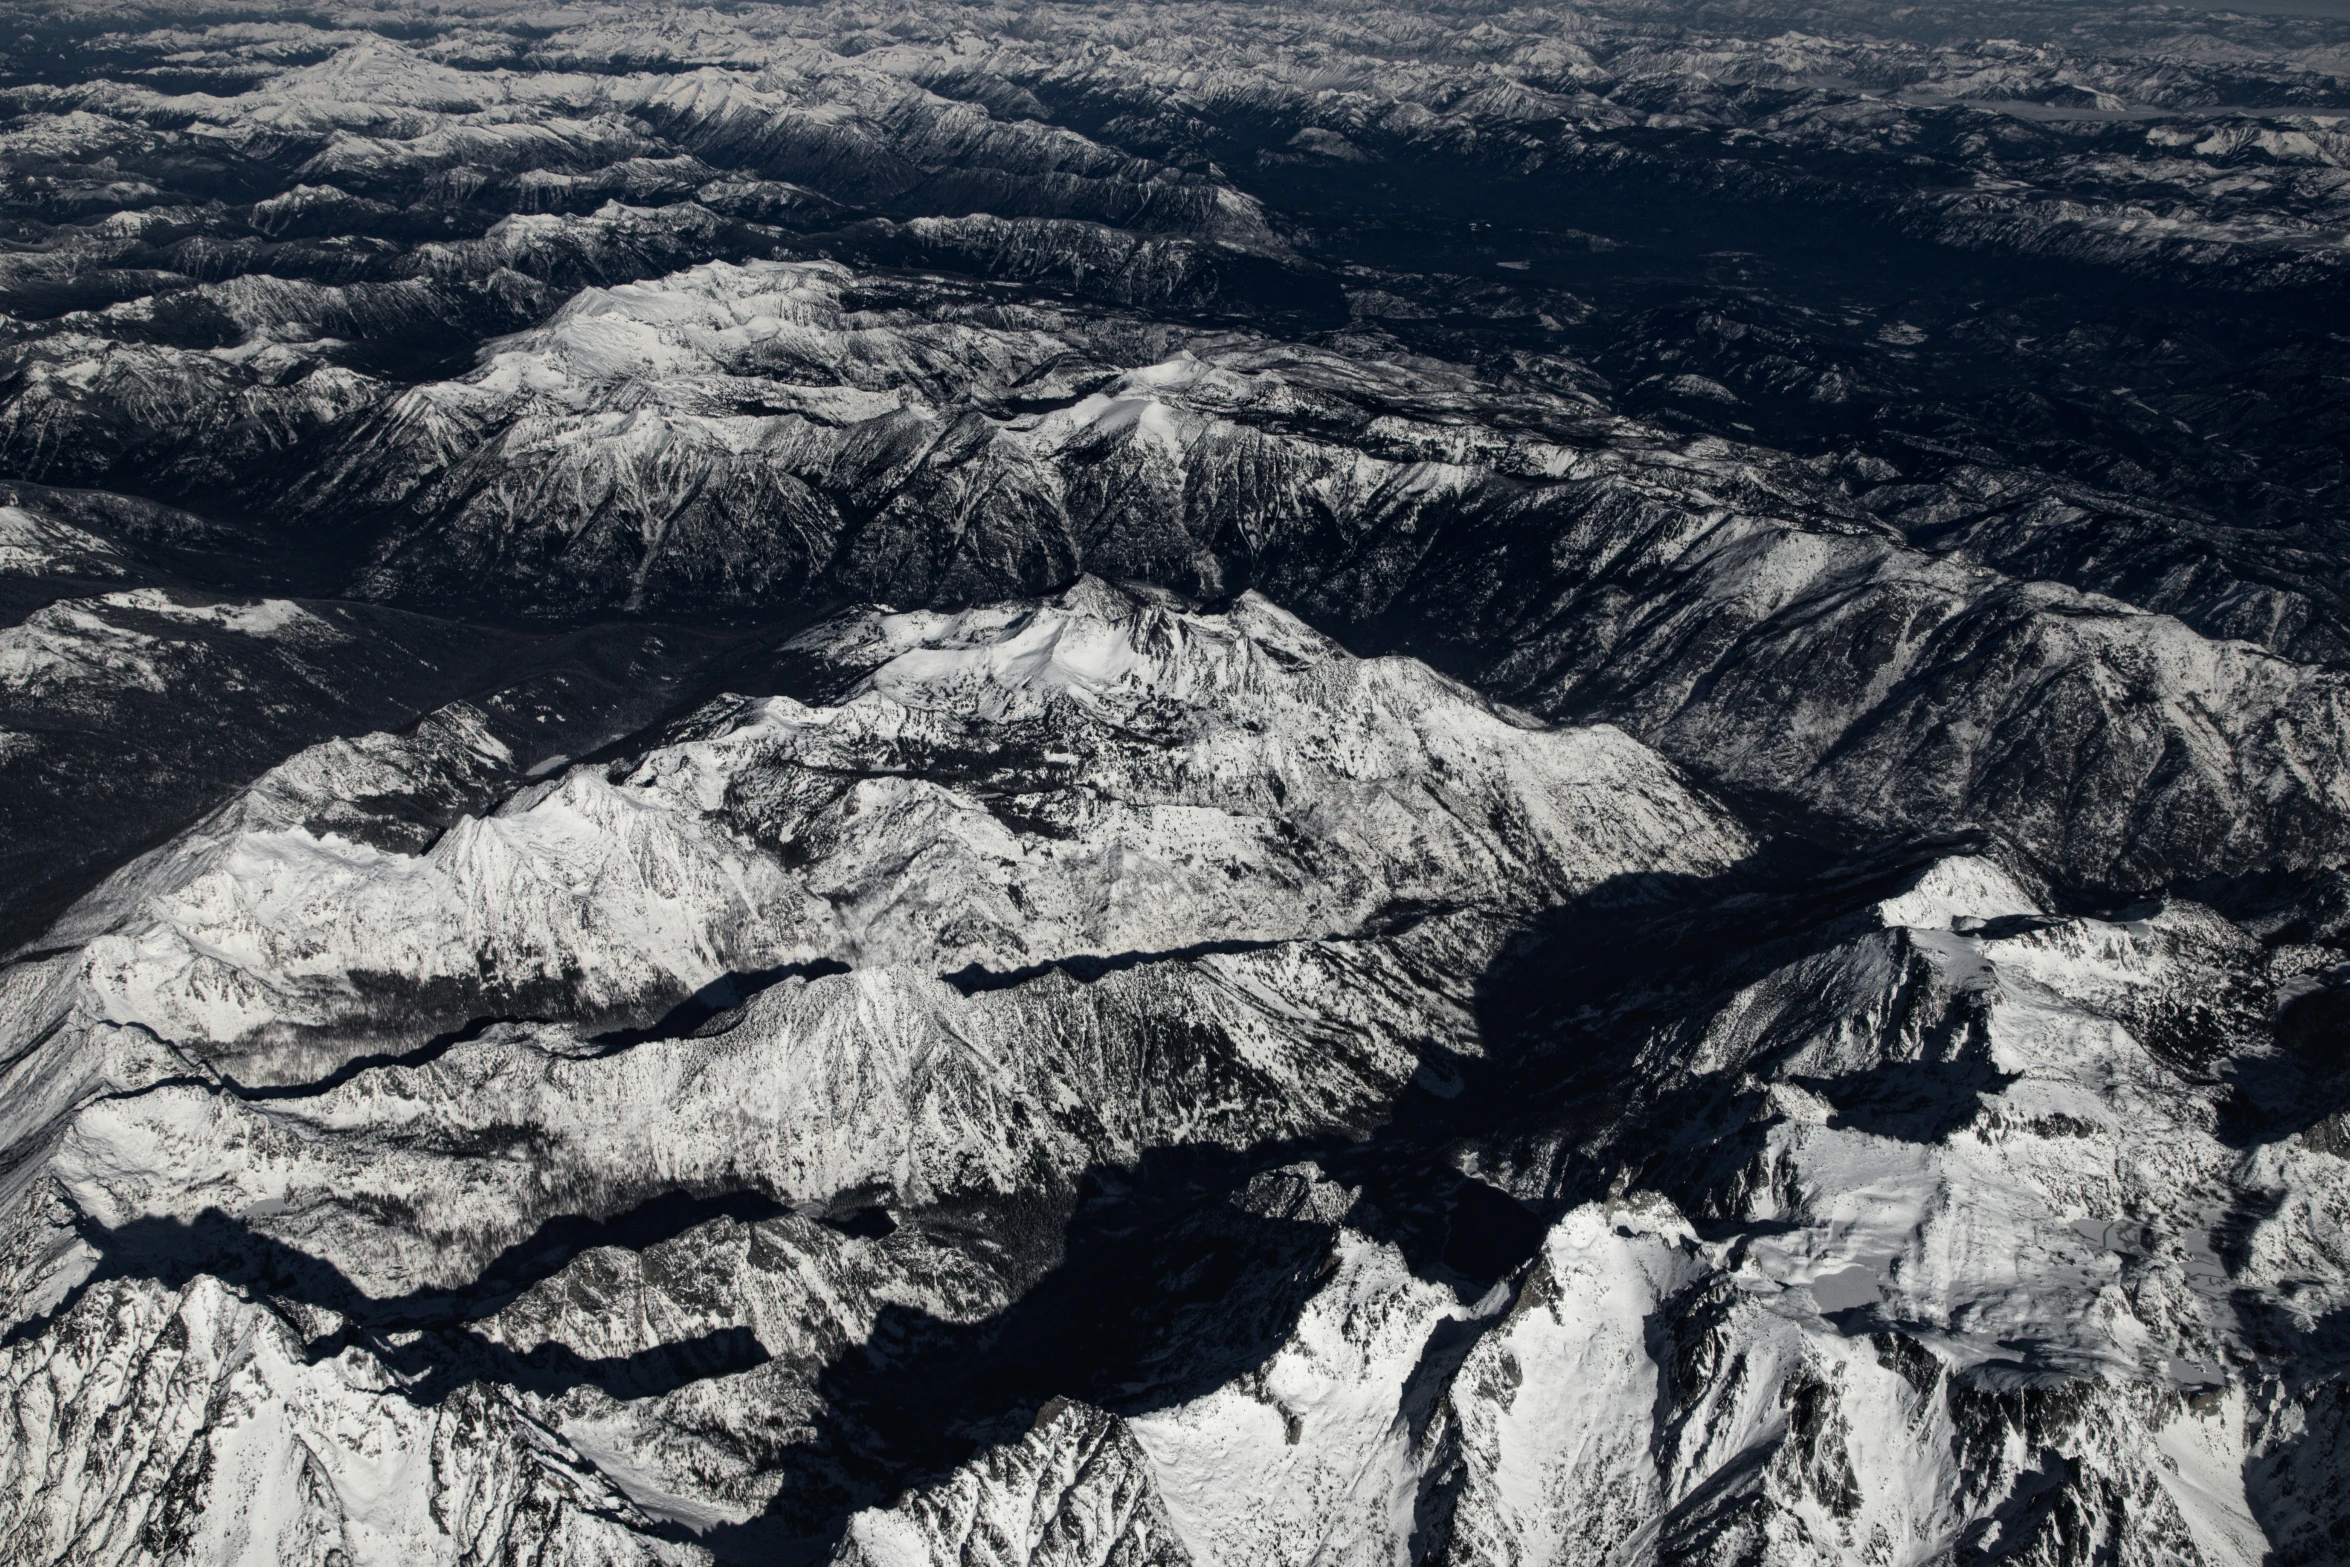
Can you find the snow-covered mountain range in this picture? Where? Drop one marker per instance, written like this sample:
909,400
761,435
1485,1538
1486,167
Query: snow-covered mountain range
1081,786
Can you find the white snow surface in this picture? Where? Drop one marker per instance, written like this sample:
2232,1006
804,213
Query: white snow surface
1979,1251
2040,1283
1110,876
1190,779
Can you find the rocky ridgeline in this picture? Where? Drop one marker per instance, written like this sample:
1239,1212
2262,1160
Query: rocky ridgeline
1299,785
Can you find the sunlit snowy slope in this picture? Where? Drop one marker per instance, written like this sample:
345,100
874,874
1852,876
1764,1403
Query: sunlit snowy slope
1299,785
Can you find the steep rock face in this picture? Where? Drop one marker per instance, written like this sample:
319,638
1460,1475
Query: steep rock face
1167,273
1515,455
385,122
1317,1445
1704,1431
1546,96
1078,1490
89,406
195,1427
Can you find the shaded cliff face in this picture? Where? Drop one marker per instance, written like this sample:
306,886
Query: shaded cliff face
1173,785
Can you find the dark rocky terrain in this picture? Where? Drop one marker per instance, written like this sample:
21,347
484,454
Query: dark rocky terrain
1067,784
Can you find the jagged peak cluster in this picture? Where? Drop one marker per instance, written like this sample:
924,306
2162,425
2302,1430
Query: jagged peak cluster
1070,786
1122,774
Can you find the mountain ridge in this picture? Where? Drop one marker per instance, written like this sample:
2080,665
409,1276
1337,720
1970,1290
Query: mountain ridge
1072,786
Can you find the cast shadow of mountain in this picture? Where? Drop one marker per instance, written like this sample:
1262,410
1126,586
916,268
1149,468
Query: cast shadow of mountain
423,1055
425,1338
1154,1282
1635,971
1916,1101
707,1009
2304,1087
1173,1276
1167,1279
